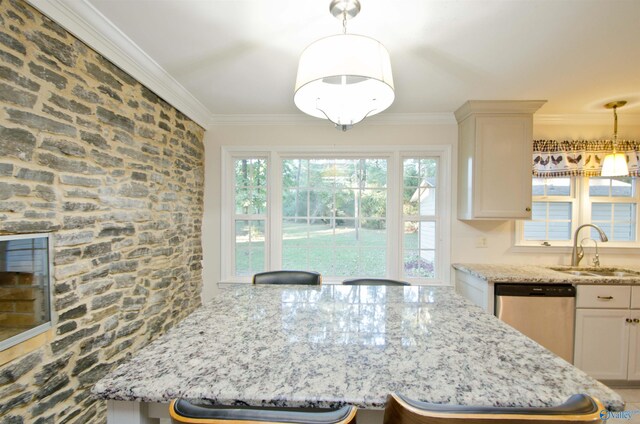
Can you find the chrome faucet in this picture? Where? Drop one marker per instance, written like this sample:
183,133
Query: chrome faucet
576,256
596,258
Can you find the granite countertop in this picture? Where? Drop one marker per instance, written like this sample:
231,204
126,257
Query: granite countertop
543,274
333,345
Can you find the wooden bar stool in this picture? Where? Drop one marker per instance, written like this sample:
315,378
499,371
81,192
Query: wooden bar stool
577,409
288,277
183,411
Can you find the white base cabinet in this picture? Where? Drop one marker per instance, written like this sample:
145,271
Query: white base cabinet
607,339
602,337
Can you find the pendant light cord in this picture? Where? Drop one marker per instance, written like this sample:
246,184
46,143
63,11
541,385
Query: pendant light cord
615,129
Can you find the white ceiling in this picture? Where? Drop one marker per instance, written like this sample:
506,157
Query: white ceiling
240,56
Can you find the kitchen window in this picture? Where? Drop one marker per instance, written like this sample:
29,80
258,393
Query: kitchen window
344,214
560,205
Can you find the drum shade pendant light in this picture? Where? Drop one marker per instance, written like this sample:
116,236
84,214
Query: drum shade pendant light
344,78
615,164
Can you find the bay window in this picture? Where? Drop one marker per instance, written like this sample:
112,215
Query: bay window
344,214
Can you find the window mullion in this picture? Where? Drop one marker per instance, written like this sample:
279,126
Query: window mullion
273,255
395,223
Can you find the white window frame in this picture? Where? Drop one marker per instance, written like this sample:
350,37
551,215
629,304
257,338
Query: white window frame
581,214
273,226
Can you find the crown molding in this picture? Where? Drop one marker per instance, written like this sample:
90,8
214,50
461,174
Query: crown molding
497,106
585,119
301,119
83,20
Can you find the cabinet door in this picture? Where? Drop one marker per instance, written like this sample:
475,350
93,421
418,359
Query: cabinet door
602,343
503,167
634,346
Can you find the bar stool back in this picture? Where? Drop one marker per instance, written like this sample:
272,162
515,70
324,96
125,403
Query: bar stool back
185,412
288,277
577,409
374,282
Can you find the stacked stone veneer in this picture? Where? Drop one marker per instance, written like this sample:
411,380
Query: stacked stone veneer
116,174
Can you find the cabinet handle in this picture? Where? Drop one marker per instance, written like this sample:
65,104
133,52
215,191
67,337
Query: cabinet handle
605,297
528,209
628,320
636,320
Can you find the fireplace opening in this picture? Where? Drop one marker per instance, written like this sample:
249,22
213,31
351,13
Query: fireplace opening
25,287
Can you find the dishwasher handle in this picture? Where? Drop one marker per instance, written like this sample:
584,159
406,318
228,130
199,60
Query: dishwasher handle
545,290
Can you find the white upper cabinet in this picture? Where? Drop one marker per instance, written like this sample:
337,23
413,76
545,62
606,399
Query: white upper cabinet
495,146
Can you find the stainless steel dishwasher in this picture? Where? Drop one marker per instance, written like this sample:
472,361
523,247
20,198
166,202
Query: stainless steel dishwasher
543,312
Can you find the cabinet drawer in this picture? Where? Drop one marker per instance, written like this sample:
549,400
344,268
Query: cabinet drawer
635,297
610,297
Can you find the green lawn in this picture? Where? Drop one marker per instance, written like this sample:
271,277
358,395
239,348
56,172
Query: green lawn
318,248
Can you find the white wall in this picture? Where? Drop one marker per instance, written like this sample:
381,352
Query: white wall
499,234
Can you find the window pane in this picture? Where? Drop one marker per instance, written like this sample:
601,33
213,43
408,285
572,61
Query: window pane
537,188
624,232
294,202
250,172
295,173
419,263
622,186
549,221
419,245
411,172
559,231
321,174
551,186
249,246
320,203
346,203
250,186
373,203
375,173
295,232
539,211
250,200
601,211
535,230
560,210
344,225
420,193
243,200
623,212
617,220
373,232
320,233
612,187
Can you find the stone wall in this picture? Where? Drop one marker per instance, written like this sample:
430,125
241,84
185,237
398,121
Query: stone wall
116,174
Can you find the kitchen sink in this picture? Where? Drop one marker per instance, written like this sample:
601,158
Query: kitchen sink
598,272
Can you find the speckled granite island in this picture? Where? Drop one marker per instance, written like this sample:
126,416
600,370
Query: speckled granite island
334,345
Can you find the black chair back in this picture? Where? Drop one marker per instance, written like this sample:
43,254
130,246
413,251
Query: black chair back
374,282
288,277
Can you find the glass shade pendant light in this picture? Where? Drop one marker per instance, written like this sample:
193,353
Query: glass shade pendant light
615,164
344,78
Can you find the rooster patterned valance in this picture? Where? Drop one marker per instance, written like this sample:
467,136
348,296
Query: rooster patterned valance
552,158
